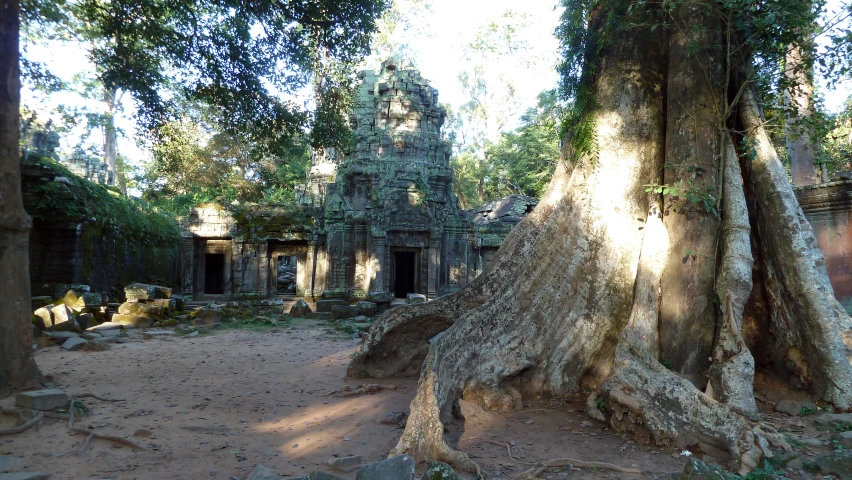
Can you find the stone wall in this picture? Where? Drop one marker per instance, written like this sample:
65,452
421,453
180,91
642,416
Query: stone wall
828,207
86,234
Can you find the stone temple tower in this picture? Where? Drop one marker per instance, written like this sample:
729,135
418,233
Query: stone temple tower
391,220
380,218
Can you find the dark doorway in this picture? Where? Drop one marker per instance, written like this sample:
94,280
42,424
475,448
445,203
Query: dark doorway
404,273
214,273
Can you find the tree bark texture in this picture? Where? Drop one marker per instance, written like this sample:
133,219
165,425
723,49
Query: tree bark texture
798,97
17,365
594,290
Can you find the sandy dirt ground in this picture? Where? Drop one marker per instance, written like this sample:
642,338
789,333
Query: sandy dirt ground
216,405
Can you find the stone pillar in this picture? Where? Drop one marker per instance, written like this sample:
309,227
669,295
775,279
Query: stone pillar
305,272
380,265
187,265
434,265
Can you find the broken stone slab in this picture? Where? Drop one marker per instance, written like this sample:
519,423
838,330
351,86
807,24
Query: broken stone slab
144,291
796,407
105,326
317,475
400,467
132,321
413,298
262,473
345,464
74,344
368,309
300,309
158,332
44,400
91,335
439,471
832,418
180,303
339,312
150,310
24,476
43,318
325,306
838,462
7,462
206,316
92,300
60,337
380,297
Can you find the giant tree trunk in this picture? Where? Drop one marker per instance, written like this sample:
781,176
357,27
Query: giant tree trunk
17,366
797,97
111,138
595,289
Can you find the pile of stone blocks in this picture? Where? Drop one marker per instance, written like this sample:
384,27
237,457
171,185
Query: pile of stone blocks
75,311
148,306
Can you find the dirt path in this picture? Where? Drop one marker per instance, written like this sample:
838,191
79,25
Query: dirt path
264,390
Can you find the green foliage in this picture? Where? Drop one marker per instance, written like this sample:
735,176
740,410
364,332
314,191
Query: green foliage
194,163
841,427
768,471
700,196
806,411
667,364
78,200
521,161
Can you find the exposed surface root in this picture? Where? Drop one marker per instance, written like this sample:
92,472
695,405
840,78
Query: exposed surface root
363,389
508,450
575,463
98,397
85,444
20,428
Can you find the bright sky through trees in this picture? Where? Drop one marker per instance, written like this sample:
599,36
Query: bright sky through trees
437,40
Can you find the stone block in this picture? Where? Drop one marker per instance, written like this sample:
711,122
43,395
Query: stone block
300,309
413,298
262,473
180,303
207,316
105,326
368,309
85,320
168,304
7,462
63,319
24,476
380,297
344,464
92,300
73,344
143,291
43,318
132,320
324,306
400,467
44,400
149,310
321,316
339,312
439,471
75,303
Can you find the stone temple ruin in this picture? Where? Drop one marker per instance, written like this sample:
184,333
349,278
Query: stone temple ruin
381,217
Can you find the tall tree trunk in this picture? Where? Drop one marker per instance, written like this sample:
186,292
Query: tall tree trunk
797,97
586,292
111,137
695,95
17,365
